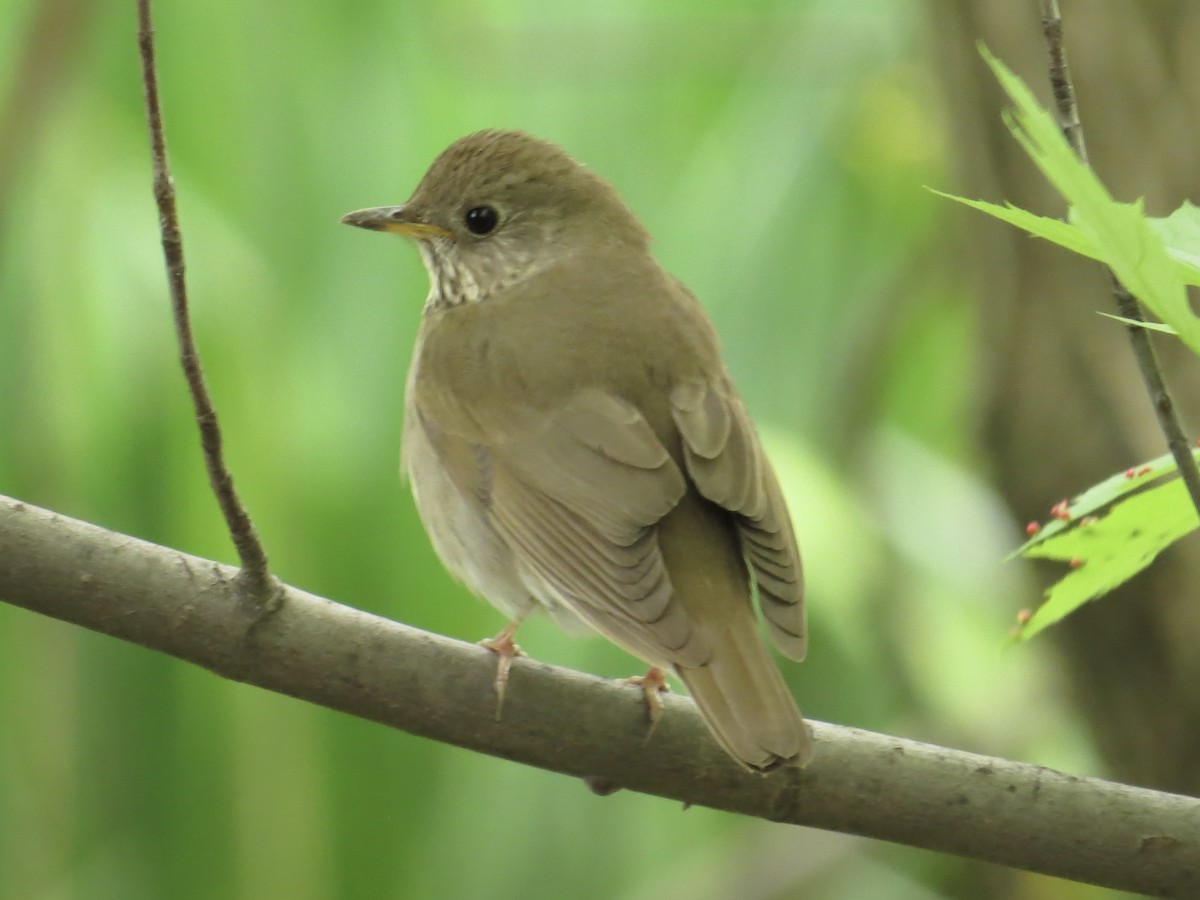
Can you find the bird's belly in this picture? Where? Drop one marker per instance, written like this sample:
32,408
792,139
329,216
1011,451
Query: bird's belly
461,535
467,543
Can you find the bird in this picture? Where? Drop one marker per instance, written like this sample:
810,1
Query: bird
575,444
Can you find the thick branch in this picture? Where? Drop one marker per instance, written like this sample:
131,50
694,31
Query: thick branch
860,783
255,574
1127,306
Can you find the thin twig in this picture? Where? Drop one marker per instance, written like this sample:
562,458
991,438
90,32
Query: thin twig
1127,305
254,577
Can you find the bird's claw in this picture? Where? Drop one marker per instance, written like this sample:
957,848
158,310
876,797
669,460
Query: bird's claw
507,650
653,685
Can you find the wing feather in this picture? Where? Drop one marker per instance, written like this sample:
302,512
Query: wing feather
725,459
577,498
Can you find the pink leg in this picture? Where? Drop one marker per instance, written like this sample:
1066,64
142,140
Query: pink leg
653,685
507,649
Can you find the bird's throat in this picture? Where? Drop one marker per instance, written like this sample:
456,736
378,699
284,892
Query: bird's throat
454,281
450,285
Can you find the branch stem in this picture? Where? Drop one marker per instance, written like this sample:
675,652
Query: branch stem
1127,305
590,728
255,576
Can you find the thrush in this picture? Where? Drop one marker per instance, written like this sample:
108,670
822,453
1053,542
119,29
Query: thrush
575,443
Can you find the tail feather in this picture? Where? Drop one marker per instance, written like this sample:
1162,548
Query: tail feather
746,703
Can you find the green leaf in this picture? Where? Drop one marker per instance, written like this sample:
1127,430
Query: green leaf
1135,323
1099,496
1111,550
1054,230
1180,232
1117,233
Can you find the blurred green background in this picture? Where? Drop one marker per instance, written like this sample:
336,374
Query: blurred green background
778,151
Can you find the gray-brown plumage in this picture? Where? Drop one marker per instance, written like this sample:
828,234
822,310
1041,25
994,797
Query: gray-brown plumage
574,441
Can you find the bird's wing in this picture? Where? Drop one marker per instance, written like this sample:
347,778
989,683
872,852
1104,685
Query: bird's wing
725,459
577,499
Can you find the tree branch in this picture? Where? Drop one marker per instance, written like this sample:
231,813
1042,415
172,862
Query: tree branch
860,783
1127,305
255,576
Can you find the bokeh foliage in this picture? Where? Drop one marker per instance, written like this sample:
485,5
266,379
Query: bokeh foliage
777,151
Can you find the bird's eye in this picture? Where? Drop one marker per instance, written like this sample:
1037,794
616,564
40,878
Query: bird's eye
482,220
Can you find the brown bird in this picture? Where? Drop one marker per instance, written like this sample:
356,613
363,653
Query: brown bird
575,443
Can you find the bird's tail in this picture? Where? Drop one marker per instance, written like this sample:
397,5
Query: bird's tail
746,703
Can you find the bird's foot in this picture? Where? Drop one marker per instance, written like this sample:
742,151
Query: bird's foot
653,685
507,649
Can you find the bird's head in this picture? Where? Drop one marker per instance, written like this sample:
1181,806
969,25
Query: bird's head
499,206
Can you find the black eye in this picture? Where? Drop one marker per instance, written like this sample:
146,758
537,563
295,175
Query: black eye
482,220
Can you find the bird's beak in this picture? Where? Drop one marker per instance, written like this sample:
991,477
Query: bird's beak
396,219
